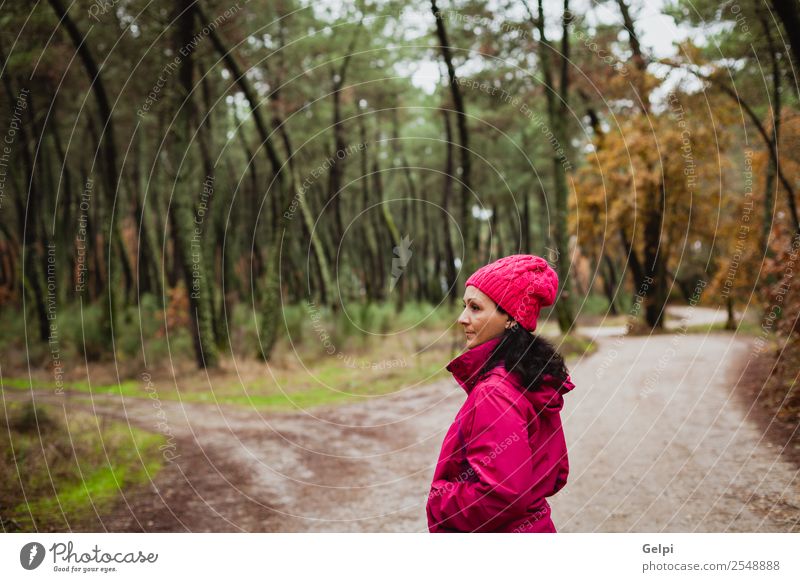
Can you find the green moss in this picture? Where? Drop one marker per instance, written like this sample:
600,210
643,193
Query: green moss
25,383
74,473
331,384
573,345
97,491
126,388
331,381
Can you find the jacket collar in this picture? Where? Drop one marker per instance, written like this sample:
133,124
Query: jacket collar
548,397
466,367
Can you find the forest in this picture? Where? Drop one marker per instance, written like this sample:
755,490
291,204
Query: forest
217,191
201,156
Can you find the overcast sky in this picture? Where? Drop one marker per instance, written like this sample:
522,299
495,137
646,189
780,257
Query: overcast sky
657,32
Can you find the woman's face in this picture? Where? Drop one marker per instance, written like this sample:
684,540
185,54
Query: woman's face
481,318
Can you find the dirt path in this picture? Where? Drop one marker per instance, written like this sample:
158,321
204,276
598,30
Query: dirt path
657,443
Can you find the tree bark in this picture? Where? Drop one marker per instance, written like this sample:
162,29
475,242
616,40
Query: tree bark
271,304
789,13
189,237
370,245
557,115
654,262
388,219
327,285
111,178
470,250
772,165
610,284
451,276
336,171
640,63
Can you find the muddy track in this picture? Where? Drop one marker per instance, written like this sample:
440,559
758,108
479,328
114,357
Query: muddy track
657,443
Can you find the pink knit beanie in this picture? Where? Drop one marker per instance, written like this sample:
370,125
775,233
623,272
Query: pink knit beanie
520,284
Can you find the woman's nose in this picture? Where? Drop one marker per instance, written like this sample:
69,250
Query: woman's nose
463,319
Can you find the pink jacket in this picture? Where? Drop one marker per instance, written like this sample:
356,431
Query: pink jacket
502,456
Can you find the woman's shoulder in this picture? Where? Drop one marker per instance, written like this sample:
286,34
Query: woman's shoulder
500,376
499,383
494,400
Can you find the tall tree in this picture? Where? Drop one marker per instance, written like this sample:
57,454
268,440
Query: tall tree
272,292
190,238
789,13
557,97
469,233
109,167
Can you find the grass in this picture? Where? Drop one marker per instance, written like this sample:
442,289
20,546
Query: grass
330,385
302,373
574,345
327,381
72,468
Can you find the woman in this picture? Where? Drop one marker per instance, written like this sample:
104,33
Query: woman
505,452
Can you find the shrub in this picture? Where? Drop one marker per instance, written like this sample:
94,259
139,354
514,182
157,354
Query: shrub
83,330
31,419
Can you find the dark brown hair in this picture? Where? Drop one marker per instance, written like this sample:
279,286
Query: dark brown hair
529,355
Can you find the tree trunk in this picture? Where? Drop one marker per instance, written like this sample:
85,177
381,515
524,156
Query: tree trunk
190,237
146,251
526,222
252,211
111,178
772,165
370,245
790,17
610,282
730,322
451,276
654,261
388,220
557,114
28,222
639,62
272,299
327,285
336,172
469,262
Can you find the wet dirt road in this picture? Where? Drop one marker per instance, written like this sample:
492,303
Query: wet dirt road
657,443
